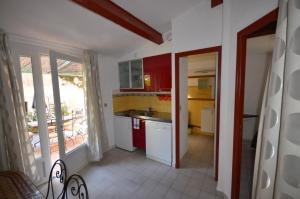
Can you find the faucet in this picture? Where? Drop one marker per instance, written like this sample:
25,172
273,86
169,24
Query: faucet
150,109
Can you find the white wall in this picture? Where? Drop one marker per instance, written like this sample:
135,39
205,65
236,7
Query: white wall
257,65
199,27
108,73
149,49
237,14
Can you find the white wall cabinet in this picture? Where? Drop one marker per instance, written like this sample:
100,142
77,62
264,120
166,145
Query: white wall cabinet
123,133
158,141
131,74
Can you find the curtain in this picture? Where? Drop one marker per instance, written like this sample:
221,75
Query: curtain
97,136
18,150
278,166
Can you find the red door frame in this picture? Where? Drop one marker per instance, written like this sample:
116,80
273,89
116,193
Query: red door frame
239,95
217,49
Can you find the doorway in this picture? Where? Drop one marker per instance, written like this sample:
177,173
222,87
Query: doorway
56,120
263,26
258,61
181,89
201,70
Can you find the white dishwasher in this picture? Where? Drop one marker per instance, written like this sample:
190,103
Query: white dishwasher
158,141
123,132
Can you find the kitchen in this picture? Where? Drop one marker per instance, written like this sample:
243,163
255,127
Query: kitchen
142,107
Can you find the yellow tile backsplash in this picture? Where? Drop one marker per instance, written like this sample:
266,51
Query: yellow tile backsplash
122,103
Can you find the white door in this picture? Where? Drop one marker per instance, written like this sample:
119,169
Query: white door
69,100
183,86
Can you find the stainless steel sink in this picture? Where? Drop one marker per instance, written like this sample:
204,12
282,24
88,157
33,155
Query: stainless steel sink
141,113
144,113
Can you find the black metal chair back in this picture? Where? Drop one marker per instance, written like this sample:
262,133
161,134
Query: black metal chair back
58,171
77,188
75,185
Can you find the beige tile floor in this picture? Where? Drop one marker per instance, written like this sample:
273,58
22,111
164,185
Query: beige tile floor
130,175
200,152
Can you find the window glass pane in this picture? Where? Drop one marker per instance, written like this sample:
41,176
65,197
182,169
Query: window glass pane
72,96
137,73
30,106
124,74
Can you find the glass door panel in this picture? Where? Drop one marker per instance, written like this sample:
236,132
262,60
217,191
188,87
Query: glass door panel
30,105
69,95
72,98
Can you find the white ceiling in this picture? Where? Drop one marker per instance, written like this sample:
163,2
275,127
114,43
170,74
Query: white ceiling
157,13
64,22
202,64
262,44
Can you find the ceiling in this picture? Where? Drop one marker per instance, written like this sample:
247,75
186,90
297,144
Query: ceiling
64,22
202,64
157,13
262,44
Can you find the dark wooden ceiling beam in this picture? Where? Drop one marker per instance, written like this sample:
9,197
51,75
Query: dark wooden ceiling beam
215,3
118,15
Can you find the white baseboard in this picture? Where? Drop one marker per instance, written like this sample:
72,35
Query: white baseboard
169,163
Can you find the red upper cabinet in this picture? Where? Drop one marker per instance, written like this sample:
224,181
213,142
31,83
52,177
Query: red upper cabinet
164,80
157,73
149,74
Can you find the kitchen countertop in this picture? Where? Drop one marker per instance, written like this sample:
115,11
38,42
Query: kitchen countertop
146,115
